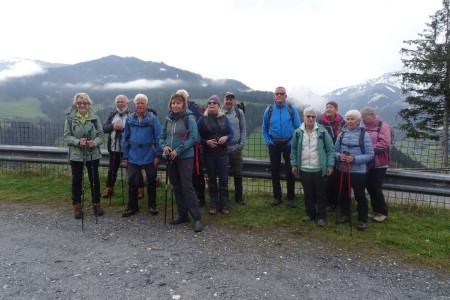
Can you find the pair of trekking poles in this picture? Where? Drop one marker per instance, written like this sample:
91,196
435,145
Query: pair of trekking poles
338,208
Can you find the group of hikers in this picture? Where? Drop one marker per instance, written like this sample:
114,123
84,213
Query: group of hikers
330,155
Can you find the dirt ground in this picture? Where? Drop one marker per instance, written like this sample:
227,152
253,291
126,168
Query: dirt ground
45,255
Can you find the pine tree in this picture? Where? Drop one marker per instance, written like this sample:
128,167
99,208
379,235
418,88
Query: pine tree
426,79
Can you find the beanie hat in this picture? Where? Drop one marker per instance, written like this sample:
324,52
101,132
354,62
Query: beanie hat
333,104
214,98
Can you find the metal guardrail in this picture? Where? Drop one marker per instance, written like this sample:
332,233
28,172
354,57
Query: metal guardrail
396,180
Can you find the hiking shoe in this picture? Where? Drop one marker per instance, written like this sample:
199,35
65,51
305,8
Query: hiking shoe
292,203
212,211
107,192
343,219
225,211
379,218
275,202
370,216
180,221
198,227
141,193
241,202
129,212
153,210
307,219
77,212
361,225
98,209
321,223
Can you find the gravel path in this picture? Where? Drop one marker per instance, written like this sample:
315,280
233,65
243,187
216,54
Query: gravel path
45,255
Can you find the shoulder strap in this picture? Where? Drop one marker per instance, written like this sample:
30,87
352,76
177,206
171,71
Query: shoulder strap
361,140
269,114
379,126
291,113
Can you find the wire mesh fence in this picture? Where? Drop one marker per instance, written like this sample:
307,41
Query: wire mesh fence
418,155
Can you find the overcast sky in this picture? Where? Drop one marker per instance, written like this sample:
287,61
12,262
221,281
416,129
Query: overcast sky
320,45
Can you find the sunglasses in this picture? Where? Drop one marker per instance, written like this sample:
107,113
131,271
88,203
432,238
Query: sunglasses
310,117
280,94
212,103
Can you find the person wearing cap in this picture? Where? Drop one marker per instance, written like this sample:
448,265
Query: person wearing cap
380,134
333,123
237,120
215,132
279,123
198,175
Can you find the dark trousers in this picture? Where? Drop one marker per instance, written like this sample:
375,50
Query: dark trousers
114,164
275,153
217,167
314,187
374,184
198,174
77,180
358,184
236,161
333,188
134,175
180,171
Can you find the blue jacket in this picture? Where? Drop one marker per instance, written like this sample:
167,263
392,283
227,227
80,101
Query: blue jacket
140,139
350,143
177,136
324,146
281,125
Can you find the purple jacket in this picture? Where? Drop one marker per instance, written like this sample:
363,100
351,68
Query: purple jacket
381,142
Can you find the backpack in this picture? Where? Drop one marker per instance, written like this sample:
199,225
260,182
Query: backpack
390,129
360,143
241,107
291,113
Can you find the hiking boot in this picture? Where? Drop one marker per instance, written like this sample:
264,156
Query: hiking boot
379,218
343,219
212,211
370,216
180,220
241,202
225,211
77,212
98,209
275,202
107,192
307,219
198,227
153,210
141,193
129,212
292,203
361,225
321,223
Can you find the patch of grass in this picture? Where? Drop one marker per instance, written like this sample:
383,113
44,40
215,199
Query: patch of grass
416,235
24,108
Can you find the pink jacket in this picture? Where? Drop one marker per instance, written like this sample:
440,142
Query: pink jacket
381,142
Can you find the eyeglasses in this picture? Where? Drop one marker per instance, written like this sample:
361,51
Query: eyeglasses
82,103
212,103
280,94
310,117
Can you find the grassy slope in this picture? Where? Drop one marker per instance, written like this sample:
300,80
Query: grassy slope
24,108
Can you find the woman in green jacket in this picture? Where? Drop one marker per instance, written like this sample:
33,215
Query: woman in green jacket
312,157
83,133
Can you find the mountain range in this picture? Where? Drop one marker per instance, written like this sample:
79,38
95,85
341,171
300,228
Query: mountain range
55,84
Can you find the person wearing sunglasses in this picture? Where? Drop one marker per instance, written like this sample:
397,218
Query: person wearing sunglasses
279,123
312,157
83,133
215,131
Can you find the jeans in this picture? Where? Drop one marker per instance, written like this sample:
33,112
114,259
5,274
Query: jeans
134,175
358,184
217,166
114,164
275,153
180,171
374,184
236,161
314,187
78,178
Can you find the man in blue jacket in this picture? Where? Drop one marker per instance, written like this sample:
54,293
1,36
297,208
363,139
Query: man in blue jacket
141,150
279,123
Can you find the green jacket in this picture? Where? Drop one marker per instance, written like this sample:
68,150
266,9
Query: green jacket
74,131
324,145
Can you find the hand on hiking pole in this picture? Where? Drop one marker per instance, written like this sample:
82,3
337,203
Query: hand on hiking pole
346,157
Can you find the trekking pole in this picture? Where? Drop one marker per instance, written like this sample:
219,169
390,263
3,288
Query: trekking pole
93,182
350,197
167,184
120,164
114,173
338,207
82,185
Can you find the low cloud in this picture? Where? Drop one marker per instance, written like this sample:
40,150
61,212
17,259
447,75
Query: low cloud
21,68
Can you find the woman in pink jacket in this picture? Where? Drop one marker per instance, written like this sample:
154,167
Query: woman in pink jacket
380,134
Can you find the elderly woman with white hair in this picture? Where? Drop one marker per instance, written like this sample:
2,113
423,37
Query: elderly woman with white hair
312,157
353,151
